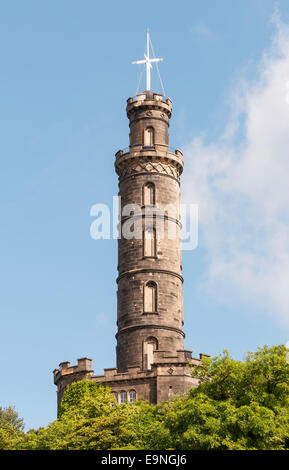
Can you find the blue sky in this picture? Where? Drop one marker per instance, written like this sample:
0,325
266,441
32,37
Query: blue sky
65,76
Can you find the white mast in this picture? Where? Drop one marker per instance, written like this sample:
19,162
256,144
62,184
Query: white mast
148,61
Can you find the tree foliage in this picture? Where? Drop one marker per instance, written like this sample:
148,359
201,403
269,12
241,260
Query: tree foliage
10,417
11,428
237,405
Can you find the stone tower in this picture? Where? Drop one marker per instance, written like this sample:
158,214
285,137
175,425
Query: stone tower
150,312
152,363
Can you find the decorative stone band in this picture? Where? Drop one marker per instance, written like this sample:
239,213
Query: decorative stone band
151,216
164,163
150,167
154,326
149,270
143,104
135,175
141,116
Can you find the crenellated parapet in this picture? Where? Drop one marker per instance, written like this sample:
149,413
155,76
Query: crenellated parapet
139,106
151,385
65,369
67,374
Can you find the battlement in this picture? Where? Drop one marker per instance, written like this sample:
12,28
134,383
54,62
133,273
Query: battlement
65,369
149,95
202,355
149,100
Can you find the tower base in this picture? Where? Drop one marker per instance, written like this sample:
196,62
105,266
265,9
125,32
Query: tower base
169,375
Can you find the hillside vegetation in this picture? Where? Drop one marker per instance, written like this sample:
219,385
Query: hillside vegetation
238,405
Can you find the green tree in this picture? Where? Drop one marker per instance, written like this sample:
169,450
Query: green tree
86,398
238,405
89,418
11,428
263,377
10,416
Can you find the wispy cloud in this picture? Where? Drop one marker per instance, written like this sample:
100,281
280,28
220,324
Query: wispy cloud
243,189
203,30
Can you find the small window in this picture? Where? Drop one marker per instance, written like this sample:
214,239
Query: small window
149,194
132,396
123,397
149,242
115,394
149,346
170,391
149,137
150,297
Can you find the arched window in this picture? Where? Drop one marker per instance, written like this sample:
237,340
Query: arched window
150,297
123,396
150,345
148,140
132,396
149,194
115,394
149,242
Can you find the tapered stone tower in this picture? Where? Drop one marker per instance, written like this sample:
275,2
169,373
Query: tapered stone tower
150,310
152,363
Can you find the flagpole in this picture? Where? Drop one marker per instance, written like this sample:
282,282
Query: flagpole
148,65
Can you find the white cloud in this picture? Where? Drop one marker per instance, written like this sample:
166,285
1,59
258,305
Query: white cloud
203,30
243,189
